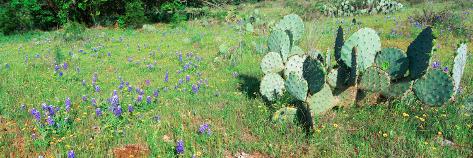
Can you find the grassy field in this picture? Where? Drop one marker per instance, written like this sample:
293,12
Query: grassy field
221,91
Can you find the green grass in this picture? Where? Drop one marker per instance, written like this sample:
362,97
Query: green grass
238,116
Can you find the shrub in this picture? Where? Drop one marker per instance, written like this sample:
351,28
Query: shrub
445,20
134,14
73,31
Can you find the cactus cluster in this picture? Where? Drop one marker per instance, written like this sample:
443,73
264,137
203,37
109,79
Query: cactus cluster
363,66
351,7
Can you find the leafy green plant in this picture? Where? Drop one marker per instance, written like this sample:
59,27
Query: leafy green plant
134,14
73,31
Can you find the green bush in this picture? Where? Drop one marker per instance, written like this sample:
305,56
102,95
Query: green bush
73,31
134,14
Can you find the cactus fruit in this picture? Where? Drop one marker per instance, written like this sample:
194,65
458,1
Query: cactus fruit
374,80
272,63
272,86
293,25
458,66
321,101
314,73
368,44
278,42
285,115
419,53
435,88
294,64
297,86
397,89
393,61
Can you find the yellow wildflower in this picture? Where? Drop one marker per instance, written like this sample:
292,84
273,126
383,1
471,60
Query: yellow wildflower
405,114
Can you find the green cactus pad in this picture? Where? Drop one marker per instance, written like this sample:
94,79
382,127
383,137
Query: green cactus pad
397,89
337,78
393,61
321,101
285,115
435,88
296,50
278,41
459,66
297,86
272,63
294,25
294,64
314,74
368,44
338,45
272,86
374,80
419,53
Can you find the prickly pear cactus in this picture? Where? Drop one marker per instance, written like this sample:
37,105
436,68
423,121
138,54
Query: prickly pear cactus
285,115
419,53
458,66
393,61
435,88
397,89
272,63
278,41
338,46
368,44
321,101
296,50
297,86
294,64
328,64
314,73
272,86
293,25
374,80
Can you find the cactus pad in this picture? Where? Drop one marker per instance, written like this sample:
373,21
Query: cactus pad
294,64
458,66
368,44
393,61
314,73
296,50
272,63
338,45
374,79
297,86
321,101
398,89
285,115
278,41
272,86
419,53
435,88
294,25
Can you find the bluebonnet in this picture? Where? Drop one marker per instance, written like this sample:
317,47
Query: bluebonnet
68,104
436,65
148,99
188,78
84,98
130,88
98,112
70,154
56,67
156,93
60,73
180,81
195,89
130,108
114,92
117,111
65,65
166,77
109,54
445,69
180,57
139,98
50,121
93,102
97,88
148,82
204,128
115,101
180,147
36,114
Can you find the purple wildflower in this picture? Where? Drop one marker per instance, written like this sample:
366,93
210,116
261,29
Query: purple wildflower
148,99
56,67
93,102
68,104
50,121
109,54
204,128
180,147
180,57
130,88
115,101
148,82
70,154
65,66
36,114
157,118
156,93
117,111
235,74
84,98
130,108
436,65
98,112
139,98
445,69
188,78
195,89
180,81
166,76
61,73
97,88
